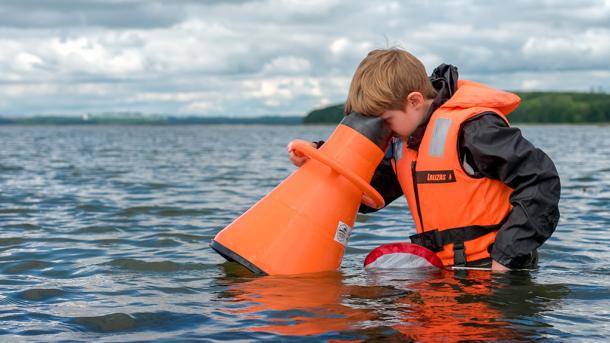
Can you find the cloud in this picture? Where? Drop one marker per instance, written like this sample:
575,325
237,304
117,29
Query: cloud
278,57
287,65
91,13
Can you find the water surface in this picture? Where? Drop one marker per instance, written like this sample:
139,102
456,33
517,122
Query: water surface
105,231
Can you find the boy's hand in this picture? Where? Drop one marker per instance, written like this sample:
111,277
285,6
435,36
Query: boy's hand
296,157
497,267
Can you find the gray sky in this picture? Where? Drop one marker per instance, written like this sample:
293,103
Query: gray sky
279,57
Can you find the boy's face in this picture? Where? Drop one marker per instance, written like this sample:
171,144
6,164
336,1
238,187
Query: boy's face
404,122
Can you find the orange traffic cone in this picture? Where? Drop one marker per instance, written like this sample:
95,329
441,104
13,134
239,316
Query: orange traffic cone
303,225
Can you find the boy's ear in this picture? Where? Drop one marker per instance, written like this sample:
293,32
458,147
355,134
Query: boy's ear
415,99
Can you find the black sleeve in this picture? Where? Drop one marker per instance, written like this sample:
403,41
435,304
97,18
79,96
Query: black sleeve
386,183
500,152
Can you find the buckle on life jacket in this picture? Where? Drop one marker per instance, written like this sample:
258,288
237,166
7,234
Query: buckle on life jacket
430,239
459,255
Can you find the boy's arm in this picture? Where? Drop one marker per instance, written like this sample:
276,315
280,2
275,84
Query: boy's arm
500,152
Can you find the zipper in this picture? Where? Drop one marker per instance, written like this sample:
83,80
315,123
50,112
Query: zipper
415,191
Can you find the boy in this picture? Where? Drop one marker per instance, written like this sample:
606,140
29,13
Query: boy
479,192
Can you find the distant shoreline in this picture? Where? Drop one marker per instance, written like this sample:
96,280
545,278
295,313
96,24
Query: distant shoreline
293,121
148,120
535,108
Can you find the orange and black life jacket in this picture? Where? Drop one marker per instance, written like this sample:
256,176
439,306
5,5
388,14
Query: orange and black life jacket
456,215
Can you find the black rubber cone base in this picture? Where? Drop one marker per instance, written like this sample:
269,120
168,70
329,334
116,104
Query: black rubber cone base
233,257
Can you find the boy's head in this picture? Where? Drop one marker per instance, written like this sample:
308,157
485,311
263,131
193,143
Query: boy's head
384,79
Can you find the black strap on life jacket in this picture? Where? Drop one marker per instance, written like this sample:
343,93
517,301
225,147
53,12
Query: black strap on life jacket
435,240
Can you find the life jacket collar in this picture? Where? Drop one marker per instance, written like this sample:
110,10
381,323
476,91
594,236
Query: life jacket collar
472,94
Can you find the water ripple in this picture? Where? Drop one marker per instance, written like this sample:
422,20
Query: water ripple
154,266
117,322
41,294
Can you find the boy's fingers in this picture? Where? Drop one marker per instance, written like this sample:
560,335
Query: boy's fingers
289,146
292,152
296,157
297,160
297,153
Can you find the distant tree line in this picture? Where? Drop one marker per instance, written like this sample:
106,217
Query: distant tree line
555,107
536,107
331,114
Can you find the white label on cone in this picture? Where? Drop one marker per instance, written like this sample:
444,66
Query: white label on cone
343,233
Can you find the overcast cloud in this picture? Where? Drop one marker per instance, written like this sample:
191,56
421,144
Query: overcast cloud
279,57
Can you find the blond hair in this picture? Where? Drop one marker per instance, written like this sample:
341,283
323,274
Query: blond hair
383,80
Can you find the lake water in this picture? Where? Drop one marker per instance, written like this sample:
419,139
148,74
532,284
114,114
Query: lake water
105,236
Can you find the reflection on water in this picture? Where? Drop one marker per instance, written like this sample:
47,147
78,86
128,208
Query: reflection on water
427,305
308,305
104,235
